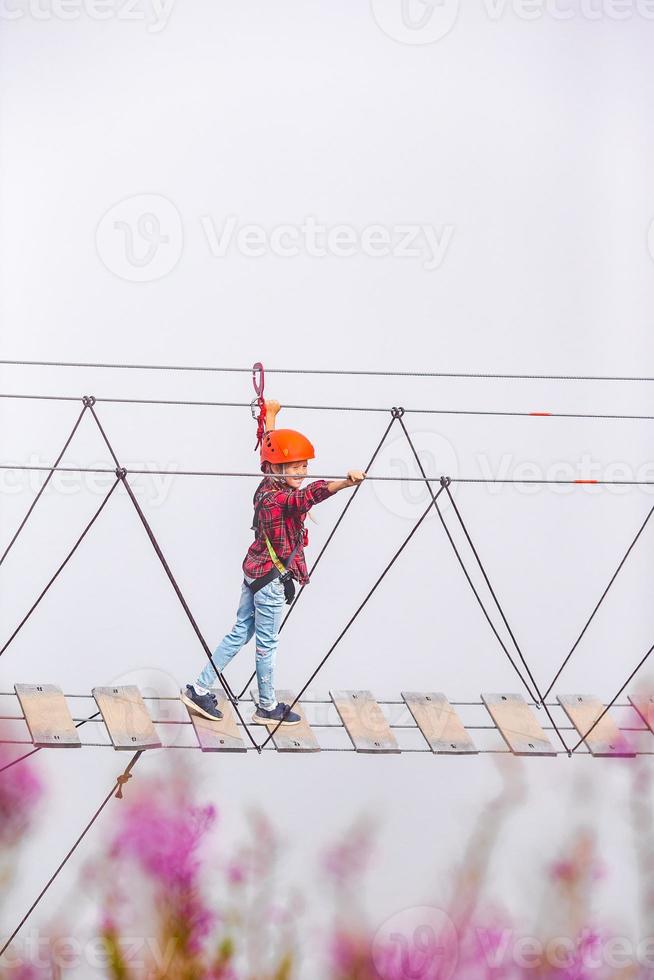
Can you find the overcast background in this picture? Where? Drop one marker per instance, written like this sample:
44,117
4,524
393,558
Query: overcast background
492,174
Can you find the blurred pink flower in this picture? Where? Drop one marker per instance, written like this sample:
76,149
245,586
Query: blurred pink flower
20,791
27,972
236,873
346,952
164,842
581,866
564,870
349,858
352,958
162,834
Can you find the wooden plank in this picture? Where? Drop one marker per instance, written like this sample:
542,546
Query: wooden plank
47,715
518,725
439,723
583,710
126,717
644,705
291,738
364,721
218,735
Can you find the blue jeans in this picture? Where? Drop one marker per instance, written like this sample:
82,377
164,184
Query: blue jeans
260,613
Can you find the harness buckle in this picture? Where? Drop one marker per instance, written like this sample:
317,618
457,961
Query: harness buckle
288,582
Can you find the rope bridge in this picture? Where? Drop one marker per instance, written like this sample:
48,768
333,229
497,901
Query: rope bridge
369,726
358,722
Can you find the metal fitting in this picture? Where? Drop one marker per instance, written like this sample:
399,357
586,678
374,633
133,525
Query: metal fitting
121,472
397,413
88,401
445,481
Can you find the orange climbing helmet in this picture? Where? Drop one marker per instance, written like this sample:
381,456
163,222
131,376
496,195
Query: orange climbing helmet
285,446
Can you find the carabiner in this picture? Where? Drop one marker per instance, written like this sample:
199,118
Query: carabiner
259,414
258,384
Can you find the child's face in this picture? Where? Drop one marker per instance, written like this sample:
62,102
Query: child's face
295,473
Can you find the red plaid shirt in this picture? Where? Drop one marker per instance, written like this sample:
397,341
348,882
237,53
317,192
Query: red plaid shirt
281,518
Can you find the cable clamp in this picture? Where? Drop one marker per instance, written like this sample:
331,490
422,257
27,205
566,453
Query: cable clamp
121,472
445,481
88,401
397,413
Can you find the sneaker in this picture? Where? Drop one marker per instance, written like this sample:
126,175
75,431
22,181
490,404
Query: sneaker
203,704
281,713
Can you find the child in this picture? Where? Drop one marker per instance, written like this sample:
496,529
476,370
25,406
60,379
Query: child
275,558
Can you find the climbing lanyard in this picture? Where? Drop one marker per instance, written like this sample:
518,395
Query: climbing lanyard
274,557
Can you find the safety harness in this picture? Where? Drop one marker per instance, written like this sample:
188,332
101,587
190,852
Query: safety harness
279,569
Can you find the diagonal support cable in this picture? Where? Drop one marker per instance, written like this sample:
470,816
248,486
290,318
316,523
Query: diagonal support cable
331,535
62,566
444,483
119,469
352,619
103,433
185,606
45,484
612,701
21,758
115,789
490,588
504,619
539,698
601,600
121,472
